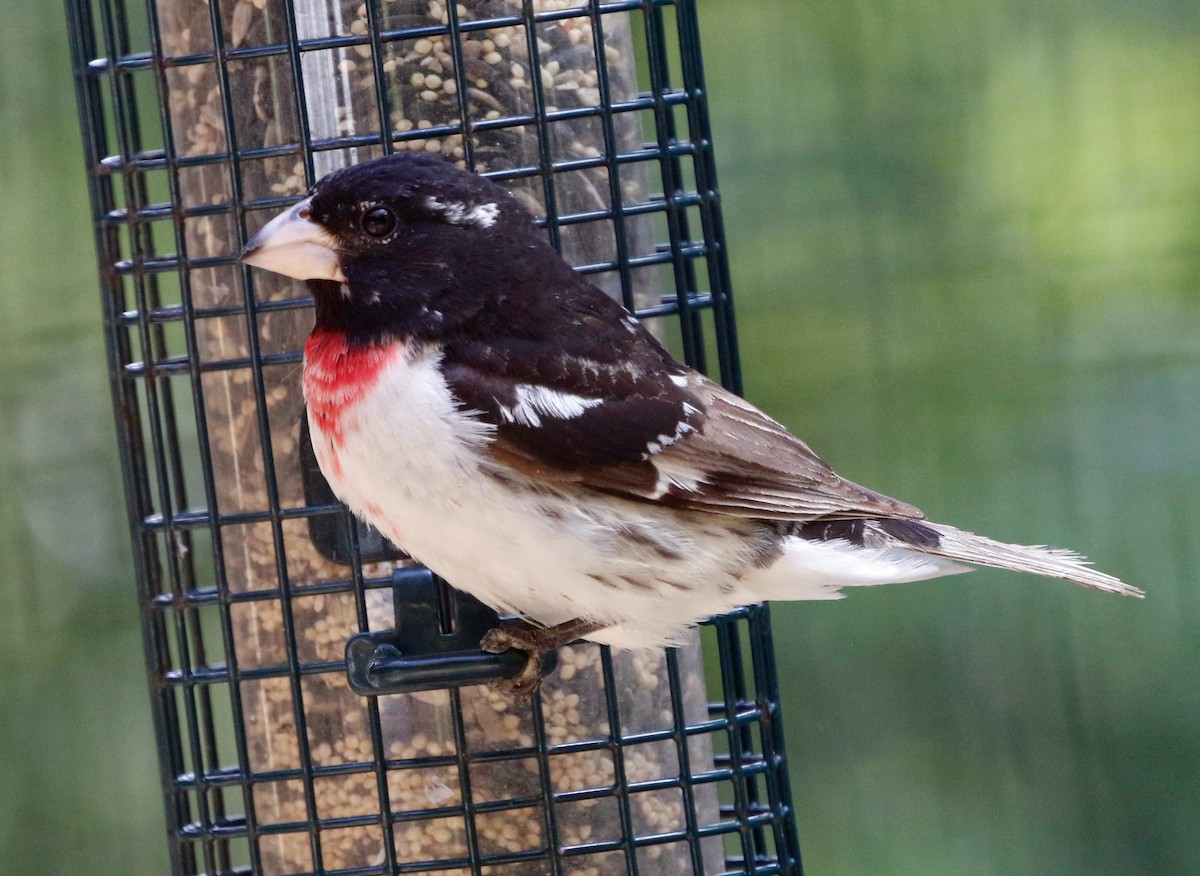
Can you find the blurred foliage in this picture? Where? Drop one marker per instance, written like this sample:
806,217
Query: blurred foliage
966,248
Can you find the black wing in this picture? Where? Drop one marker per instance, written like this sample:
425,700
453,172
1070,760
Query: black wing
613,412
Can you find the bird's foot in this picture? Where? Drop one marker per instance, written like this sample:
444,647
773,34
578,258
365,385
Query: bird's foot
536,642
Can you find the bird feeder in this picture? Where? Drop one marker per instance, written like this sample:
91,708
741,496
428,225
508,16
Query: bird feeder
320,701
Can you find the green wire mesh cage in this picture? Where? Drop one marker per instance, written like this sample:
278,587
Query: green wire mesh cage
279,753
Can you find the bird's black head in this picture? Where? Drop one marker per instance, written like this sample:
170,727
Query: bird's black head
414,245
367,206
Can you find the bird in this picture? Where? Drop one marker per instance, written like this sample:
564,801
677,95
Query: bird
523,435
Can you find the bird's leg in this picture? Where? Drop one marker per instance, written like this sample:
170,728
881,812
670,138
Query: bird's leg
536,642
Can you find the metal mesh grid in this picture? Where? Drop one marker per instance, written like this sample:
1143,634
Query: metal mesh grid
202,120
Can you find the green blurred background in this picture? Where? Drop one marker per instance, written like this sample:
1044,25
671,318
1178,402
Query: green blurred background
966,248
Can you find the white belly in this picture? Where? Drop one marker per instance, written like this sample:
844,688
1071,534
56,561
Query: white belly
410,463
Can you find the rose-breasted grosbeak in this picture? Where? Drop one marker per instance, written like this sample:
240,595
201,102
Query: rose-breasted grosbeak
516,430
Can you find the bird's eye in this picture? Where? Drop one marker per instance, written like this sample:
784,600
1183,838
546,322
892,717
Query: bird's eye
378,222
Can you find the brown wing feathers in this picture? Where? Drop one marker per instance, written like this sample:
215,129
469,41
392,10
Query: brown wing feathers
721,455
748,465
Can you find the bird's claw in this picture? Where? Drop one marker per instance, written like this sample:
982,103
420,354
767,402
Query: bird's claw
517,637
536,642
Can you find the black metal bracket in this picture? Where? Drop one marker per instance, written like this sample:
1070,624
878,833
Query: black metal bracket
435,643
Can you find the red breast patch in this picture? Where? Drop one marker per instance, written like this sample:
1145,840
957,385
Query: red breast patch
337,374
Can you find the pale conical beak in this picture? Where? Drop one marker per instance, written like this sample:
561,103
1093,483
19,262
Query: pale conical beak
294,245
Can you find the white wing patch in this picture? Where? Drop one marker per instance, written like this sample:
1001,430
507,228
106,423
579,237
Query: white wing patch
681,428
458,213
672,474
535,402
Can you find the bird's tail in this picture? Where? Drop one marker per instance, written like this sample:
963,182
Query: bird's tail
955,544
